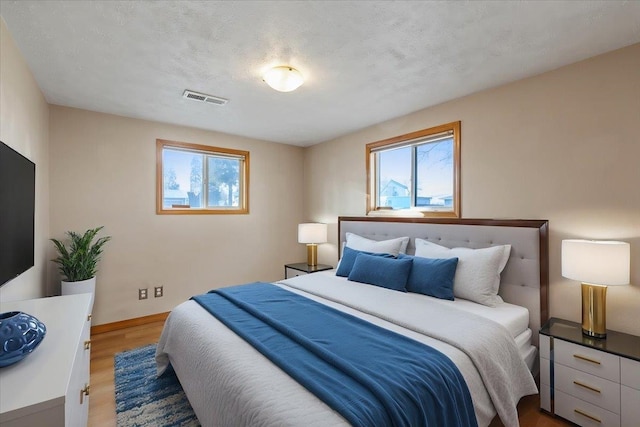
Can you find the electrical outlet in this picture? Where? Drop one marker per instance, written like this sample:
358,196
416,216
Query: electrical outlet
143,293
158,291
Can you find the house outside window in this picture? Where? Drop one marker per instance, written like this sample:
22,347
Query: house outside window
200,179
419,171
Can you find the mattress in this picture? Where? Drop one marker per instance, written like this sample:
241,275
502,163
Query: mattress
527,351
513,317
229,383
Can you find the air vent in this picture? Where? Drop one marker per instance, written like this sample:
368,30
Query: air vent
201,97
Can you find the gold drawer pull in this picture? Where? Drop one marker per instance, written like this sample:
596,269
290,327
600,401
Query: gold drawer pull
586,359
588,387
84,392
584,414
87,344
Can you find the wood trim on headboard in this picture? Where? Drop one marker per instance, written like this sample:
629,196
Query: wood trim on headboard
541,224
544,272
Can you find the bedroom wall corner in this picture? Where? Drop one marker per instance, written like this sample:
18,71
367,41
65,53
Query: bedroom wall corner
103,172
24,126
561,146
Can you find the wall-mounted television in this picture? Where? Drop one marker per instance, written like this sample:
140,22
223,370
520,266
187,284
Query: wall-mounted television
17,213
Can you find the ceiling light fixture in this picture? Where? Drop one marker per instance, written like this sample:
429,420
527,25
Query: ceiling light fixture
283,79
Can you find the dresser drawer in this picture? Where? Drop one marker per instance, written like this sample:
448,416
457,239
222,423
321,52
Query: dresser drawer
630,373
599,363
592,389
76,405
582,413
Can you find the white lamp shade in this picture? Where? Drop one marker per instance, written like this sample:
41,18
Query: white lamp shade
283,79
312,233
596,262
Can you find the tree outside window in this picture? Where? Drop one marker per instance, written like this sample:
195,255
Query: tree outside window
196,179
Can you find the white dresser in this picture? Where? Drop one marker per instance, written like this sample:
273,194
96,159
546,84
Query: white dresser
589,381
50,387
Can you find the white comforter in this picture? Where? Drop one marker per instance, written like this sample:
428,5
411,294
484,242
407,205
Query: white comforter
229,383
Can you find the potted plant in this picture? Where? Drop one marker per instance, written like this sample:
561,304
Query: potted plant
78,261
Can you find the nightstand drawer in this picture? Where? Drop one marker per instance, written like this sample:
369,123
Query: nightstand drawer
587,387
302,269
599,363
290,272
630,373
582,413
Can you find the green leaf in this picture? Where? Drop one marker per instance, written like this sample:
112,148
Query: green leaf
79,259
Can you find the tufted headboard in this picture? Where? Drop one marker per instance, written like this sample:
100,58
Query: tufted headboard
525,279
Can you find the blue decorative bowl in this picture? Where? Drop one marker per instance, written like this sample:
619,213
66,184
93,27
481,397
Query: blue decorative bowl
20,334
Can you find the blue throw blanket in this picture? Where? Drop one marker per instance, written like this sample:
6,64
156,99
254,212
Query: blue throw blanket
368,374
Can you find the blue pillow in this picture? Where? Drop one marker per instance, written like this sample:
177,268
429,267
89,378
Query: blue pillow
349,257
431,276
388,273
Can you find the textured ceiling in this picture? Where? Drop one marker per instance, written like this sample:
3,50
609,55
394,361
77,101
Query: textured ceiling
364,62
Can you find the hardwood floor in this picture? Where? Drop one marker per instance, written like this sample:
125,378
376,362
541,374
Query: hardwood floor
104,346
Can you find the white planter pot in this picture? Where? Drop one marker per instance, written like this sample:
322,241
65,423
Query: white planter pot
82,287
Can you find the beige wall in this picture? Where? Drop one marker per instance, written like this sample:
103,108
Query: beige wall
562,146
103,172
24,126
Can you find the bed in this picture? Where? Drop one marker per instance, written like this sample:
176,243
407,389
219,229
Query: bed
229,383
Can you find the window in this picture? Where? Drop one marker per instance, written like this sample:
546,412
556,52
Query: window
199,179
419,171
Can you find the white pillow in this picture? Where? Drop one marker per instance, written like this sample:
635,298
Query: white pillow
391,246
478,273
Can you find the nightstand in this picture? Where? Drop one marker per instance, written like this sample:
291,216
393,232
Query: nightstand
589,381
302,268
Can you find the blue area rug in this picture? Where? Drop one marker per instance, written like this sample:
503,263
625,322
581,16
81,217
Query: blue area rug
142,399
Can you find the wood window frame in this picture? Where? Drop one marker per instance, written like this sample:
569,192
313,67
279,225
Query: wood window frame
397,141
161,144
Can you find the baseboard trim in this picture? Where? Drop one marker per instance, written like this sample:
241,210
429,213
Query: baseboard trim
108,327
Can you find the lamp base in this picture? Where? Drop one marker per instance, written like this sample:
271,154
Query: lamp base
312,254
594,310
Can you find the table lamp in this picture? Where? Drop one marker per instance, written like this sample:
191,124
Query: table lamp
597,264
312,234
